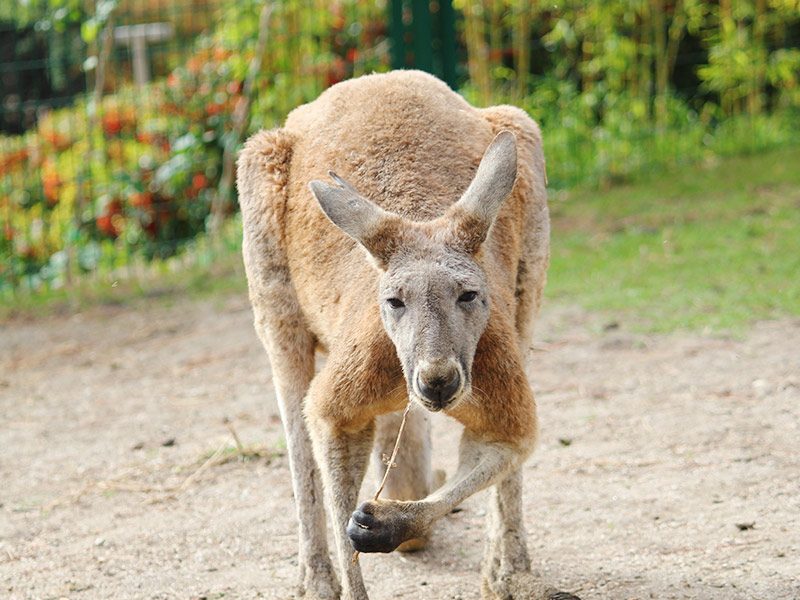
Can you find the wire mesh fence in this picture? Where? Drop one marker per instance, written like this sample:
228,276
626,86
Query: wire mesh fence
120,119
84,129
122,151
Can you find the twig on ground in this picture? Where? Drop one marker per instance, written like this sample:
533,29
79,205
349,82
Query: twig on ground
235,436
126,483
201,469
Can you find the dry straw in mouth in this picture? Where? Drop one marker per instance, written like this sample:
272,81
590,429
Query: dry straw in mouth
390,463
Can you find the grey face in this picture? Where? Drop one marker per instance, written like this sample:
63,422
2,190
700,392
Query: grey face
435,310
433,298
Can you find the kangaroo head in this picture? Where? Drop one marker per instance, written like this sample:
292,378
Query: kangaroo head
433,292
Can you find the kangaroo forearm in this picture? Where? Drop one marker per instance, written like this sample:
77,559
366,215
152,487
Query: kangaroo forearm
481,464
382,525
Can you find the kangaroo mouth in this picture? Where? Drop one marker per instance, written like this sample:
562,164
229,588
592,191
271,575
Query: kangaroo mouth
434,406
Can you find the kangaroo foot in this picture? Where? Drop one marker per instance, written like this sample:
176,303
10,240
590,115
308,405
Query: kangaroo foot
320,583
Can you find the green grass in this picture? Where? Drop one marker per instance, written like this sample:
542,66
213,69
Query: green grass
708,248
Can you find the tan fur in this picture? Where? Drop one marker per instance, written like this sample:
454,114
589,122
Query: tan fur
412,146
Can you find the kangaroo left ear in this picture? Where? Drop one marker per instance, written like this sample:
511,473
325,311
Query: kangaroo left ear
473,215
363,220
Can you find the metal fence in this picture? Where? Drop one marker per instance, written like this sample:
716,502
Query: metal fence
76,135
45,62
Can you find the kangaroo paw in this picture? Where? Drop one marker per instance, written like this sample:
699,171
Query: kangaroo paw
382,526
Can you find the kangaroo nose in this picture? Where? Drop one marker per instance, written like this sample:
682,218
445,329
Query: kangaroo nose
440,388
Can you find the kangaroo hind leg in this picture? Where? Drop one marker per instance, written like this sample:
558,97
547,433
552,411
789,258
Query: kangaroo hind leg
262,179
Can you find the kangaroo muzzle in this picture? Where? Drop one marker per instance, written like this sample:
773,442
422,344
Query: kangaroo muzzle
438,384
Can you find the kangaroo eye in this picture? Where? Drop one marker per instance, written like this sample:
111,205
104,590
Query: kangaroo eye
395,302
468,296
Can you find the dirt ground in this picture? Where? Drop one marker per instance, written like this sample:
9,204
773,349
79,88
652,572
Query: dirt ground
668,466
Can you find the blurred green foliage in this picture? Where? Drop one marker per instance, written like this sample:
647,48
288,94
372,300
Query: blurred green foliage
620,87
709,247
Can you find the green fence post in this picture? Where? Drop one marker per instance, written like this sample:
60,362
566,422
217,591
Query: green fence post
397,47
422,30
423,35
447,35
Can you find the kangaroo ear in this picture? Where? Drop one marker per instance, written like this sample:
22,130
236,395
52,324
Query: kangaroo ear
472,216
364,221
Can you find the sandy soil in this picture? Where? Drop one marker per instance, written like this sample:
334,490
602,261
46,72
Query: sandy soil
120,478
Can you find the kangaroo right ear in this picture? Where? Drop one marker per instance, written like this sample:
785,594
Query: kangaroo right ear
364,221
